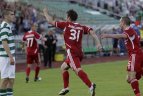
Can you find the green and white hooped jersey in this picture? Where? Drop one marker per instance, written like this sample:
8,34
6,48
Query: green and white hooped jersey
6,34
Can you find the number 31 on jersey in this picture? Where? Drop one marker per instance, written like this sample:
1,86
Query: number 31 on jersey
74,34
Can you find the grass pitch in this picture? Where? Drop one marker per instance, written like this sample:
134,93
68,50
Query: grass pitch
110,79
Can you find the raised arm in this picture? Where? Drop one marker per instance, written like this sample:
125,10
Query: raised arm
48,17
98,45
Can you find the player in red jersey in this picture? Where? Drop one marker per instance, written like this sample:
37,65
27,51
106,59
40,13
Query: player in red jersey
32,51
73,33
135,63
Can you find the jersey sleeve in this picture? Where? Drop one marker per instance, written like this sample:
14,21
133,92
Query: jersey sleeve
4,33
128,33
37,36
61,25
87,29
24,39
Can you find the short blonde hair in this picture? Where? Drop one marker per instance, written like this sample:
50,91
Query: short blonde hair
6,12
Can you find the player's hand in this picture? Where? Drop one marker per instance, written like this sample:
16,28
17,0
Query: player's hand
104,35
12,62
44,39
99,47
54,41
45,11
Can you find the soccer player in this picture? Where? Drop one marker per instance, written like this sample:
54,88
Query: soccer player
7,54
32,51
135,63
73,33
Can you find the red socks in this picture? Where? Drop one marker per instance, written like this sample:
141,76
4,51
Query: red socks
83,76
27,71
135,86
37,69
66,78
138,94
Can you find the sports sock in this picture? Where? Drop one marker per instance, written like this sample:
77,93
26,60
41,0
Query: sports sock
3,92
9,92
135,86
66,78
138,94
37,69
83,76
27,71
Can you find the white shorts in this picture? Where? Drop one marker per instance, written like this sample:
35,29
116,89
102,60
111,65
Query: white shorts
6,70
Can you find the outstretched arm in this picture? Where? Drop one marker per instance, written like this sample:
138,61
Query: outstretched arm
98,45
118,36
48,17
43,39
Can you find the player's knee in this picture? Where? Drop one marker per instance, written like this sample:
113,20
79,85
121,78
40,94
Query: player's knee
29,65
64,66
77,70
4,81
11,81
130,78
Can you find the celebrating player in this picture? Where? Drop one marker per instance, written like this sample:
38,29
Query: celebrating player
135,63
32,51
73,33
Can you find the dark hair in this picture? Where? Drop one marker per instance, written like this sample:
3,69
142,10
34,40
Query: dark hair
127,20
7,12
72,14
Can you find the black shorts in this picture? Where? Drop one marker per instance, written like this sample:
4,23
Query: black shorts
115,43
141,43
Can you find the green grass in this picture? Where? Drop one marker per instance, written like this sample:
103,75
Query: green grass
109,77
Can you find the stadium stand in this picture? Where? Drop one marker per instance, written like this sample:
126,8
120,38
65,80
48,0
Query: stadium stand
86,16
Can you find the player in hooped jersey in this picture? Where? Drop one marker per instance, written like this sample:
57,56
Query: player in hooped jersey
135,63
32,51
73,40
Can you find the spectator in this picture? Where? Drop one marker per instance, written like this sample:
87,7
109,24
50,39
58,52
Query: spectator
115,43
48,49
136,29
41,45
26,24
54,46
122,47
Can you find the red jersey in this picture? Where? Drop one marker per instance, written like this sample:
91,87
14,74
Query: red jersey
132,41
73,34
30,38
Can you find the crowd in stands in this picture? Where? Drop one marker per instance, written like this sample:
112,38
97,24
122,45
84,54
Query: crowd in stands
26,14
132,8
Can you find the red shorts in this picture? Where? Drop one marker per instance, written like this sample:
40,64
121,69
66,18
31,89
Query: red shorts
135,64
74,59
33,58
